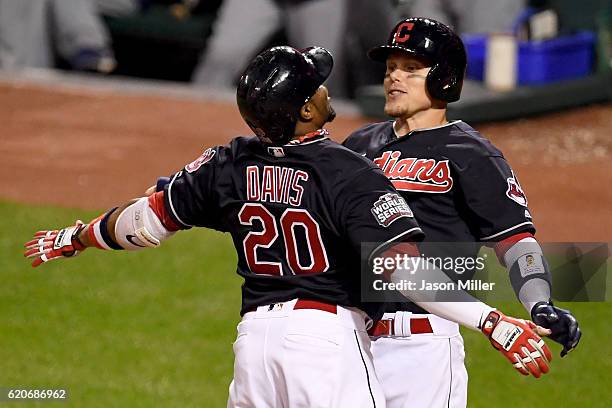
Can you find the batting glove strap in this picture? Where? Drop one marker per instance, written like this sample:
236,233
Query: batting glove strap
52,244
563,325
518,342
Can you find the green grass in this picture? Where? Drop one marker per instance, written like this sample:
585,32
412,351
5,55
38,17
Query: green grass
155,328
578,380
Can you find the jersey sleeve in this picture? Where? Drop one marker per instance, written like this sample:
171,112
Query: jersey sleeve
375,213
349,142
190,197
497,205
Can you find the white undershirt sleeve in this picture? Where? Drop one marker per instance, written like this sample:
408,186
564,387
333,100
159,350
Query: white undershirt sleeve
458,305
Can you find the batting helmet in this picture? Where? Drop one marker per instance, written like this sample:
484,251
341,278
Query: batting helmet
437,43
276,85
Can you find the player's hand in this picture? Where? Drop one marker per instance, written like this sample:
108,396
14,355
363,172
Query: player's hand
49,245
518,341
562,324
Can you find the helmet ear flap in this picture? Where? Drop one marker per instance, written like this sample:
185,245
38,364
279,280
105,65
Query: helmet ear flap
444,82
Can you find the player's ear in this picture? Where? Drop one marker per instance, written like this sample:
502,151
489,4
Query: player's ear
307,112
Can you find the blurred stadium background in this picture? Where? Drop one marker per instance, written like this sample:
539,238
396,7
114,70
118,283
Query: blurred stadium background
156,328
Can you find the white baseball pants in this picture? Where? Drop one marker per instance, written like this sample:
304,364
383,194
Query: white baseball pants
303,358
422,370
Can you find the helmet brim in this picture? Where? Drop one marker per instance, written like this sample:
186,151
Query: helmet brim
322,61
381,53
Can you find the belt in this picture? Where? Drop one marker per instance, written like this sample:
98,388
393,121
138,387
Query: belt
305,304
386,327
315,304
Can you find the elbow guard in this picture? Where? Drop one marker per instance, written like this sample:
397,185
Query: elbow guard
529,272
138,226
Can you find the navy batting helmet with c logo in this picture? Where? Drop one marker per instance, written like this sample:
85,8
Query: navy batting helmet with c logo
438,44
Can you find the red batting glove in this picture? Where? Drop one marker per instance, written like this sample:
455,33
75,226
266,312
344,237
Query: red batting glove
48,245
518,342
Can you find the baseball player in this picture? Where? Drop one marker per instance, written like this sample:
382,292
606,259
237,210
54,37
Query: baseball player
298,207
461,189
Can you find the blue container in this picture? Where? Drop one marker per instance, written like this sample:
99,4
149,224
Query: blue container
476,48
539,62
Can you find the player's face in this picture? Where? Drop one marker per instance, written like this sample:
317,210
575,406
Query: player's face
405,89
321,103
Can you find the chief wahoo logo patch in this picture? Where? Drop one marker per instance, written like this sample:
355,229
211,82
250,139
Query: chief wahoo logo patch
515,192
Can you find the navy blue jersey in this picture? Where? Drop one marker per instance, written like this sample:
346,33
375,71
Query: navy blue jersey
459,186
297,214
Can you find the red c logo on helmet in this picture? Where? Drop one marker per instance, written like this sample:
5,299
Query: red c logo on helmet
401,37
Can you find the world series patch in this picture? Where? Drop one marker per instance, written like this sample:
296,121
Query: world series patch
390,207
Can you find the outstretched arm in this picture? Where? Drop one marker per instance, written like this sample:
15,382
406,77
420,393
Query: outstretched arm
518,340
531,280
137,224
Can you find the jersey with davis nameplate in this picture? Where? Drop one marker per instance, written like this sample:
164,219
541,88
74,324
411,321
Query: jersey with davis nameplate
458,184
297,214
